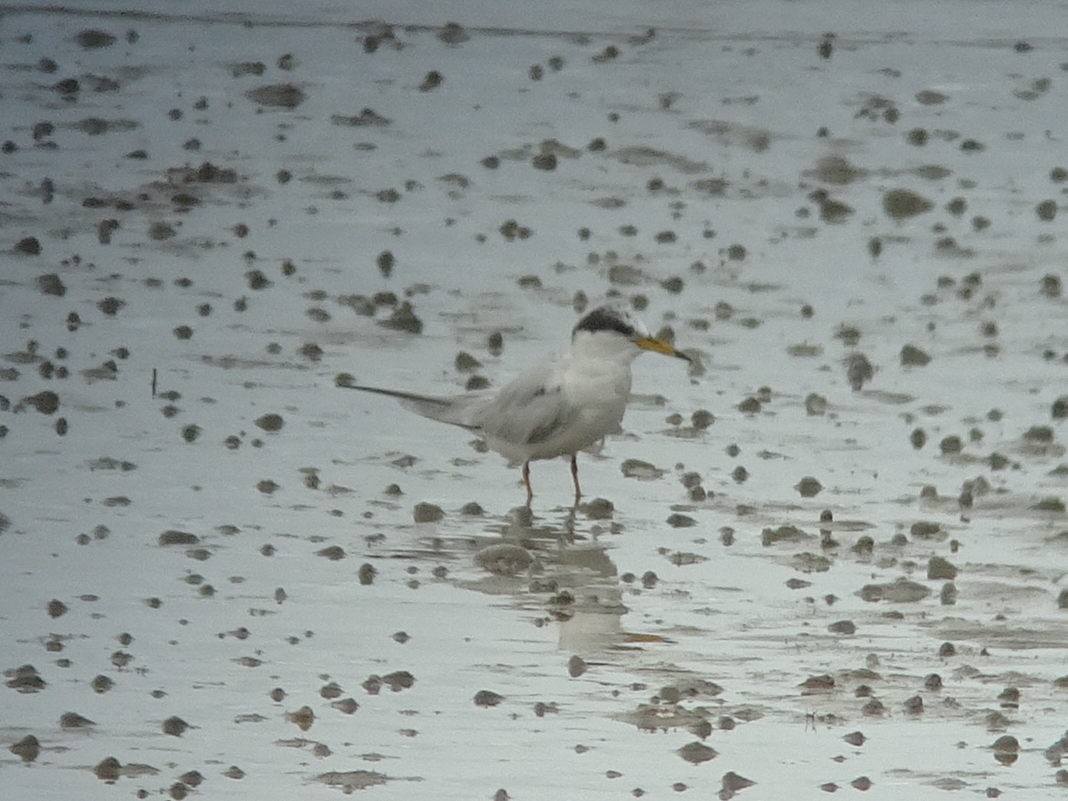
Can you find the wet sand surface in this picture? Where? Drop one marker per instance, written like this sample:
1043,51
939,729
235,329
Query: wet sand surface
830,557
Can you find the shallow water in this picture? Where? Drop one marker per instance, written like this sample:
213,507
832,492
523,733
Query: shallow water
199,528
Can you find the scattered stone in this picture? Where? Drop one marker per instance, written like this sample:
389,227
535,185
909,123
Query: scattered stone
72,720
695,753
1046,210
270,422
859,370
901,204
808,487
28,246
487,698
773,536
174,726
677,520
404,319
427,513
911,356
598,509
46,402
332,552
91,39
51,284
817,684
303,718
940,568
174,537
366,574
815,404
107,769
348,781
643,471
432,80
843,627
282,95
855,738
26,749
732,783
900,591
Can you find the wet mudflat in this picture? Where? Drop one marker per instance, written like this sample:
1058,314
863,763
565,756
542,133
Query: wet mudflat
829,558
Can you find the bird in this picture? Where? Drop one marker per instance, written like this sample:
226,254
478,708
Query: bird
557,407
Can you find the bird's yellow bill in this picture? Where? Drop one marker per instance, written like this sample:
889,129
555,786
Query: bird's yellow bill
660,346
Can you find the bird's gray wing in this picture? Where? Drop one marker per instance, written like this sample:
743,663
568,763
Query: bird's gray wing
460,410
529,410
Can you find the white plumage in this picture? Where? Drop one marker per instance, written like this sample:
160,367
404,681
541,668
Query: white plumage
559,406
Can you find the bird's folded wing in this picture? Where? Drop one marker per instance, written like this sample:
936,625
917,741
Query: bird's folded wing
527,413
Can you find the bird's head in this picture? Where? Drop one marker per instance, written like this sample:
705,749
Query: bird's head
614,328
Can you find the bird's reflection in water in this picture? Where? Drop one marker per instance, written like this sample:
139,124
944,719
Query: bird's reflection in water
560,565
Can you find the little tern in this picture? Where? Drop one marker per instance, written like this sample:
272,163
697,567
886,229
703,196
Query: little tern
558,407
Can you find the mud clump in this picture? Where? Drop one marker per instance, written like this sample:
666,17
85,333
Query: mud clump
108,769
1046,210
206,173
46,402
847,627
25,679
901,204
110,306
773,536
27,748
911,356
939,568
815,404
432,80
72,720
695,753
29,246
270,422
901,591
488,698
281,95
303,718
643,471
427,513
174,726
366,574
403,319
51,284
91,39
348,780
733,783
334,553
859,371
396,681
174,537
